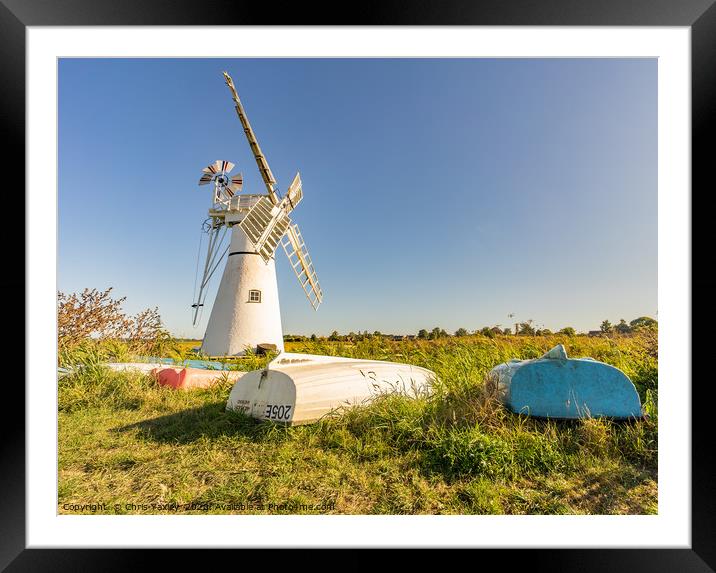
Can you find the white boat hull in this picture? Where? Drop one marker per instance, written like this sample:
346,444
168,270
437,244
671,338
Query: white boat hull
302,388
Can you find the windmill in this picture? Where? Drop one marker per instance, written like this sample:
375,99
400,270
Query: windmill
246,310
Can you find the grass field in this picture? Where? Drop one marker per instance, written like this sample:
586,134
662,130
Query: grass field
138,447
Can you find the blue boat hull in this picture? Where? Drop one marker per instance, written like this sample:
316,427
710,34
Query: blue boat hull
567,388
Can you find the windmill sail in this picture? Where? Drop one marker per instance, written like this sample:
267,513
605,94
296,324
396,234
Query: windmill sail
237,182
218,166
297,253
264,169
294,194
265,224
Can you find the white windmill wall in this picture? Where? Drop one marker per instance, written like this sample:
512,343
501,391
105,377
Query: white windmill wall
235,322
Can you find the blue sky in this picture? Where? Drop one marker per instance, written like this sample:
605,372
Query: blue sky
439,192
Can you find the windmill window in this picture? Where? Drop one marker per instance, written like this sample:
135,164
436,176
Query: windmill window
254,296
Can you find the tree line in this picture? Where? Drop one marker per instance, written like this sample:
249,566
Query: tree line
641,323
525,328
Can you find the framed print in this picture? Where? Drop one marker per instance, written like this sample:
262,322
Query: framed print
497,200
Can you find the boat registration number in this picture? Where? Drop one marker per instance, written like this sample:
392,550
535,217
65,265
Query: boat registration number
278,412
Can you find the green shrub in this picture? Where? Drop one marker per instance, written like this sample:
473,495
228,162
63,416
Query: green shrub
471,452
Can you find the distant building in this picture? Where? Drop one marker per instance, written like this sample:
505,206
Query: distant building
595,333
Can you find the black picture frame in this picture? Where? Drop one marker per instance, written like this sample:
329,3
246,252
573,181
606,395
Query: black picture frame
699,15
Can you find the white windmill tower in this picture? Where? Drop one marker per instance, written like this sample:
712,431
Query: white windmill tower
246,311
